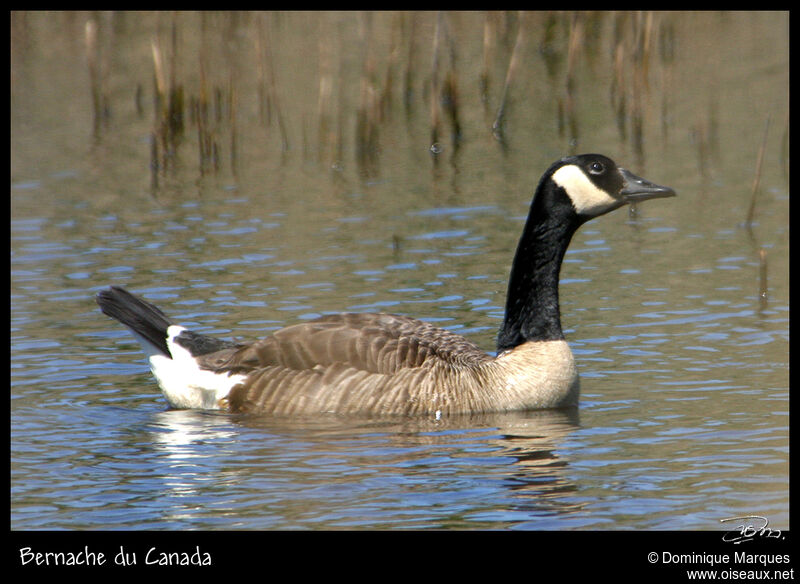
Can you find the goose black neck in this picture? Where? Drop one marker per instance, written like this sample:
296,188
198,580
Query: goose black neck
532,309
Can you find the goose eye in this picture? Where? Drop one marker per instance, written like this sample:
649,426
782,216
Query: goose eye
596,167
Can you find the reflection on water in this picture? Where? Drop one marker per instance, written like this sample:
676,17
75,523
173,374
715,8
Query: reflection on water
247,171
345,473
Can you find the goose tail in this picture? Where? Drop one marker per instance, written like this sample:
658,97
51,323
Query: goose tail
147,323
177,356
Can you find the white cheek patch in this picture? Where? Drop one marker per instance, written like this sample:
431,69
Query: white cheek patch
586,197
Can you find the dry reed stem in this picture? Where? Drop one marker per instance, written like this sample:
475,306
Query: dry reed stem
368,107
264,110
513,63
757,179
488,52
570,114
666,41
450,89
266,54
763,287
435,86
408,76
158,75
325,89
233,98
94,73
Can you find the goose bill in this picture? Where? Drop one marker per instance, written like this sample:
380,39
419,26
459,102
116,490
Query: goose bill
638,189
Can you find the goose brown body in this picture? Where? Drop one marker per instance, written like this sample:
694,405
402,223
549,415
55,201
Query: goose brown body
380,363
388,364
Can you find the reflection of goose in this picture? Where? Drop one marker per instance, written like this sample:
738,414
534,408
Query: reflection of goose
520,458
379,363
539,477
175,433
187,452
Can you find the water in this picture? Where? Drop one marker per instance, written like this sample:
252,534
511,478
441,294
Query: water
684,363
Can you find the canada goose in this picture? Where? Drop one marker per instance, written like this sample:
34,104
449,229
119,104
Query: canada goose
386,364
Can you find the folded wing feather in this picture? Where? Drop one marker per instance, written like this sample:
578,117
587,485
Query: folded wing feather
346,363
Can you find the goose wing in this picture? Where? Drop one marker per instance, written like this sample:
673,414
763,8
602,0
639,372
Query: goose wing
343,362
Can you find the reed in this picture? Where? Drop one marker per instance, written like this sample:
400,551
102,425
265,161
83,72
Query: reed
200,122
267,66
368,113
435,89
643,26
450,97
168,96
325,128
138,98
763,287
160,82
200,103
699,136
409,75
569,113
618,94
213,96
264,105
549,47
488,56
159,101
387,92
452,103
632,36
215,156
154,162
498,130
94,75
573,45
176,103
785,146
341,118
713,130
666,46
99,99
233,101
757,178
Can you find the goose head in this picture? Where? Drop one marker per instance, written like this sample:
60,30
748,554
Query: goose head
571,192
595,185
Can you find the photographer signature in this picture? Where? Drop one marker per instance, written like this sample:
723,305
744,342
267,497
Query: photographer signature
751,526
